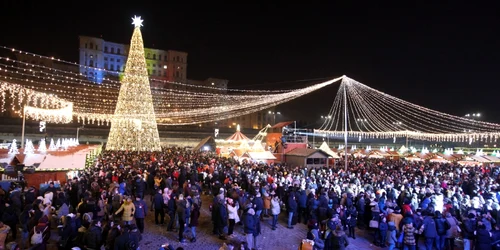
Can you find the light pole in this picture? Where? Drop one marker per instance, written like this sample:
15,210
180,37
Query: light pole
78,130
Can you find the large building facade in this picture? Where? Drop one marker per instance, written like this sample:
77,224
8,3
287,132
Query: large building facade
96,54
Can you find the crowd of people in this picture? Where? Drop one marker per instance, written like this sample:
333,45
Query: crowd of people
402,204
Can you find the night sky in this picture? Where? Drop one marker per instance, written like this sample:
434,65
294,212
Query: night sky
444,57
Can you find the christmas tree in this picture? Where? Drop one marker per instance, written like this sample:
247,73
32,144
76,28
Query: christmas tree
42,146
29,148
52,146
13,147
133,126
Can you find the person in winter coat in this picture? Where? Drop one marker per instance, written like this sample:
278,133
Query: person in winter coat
267,204
428,230
313,234
250,224
495,238
193,222
181,206
409,237
442,227
302,205
483,237
141,210
470,225
382,227
352,215
92,239
391,235
339,239
232,210
128,209
292,209
275,210
158,205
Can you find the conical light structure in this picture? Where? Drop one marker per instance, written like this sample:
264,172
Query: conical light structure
133,126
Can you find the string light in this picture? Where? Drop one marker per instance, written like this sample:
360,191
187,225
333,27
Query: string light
94,104
377,115
133,125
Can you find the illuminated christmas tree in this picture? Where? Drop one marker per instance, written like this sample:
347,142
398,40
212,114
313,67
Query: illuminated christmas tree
42,146
13,147
52,146
133,126
29,148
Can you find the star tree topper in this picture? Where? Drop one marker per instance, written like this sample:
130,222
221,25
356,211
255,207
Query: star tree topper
137,21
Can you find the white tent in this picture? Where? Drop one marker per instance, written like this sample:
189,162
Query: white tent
324,147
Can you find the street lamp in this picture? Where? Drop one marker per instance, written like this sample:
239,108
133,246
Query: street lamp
274,115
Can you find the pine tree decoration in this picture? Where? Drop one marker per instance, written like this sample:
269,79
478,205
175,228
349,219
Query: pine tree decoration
52,146
58,144
29,148
133,126
13,147
42,146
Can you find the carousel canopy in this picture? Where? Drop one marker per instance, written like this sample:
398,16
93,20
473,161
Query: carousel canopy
237,137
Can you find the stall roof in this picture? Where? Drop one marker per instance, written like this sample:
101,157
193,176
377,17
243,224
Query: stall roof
305,152
266,155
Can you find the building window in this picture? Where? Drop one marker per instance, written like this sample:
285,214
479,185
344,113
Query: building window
118,51
165,73
112,50
154,65
112,59
117,60
154,71
177,58
159,57
96,47
91,46
165,58
105,58
85,45
91,63
177,74
154,56
105,65
106,49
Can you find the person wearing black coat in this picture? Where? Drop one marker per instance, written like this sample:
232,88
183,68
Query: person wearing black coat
158,207
352,215
292,208
483,237
171,211
302,206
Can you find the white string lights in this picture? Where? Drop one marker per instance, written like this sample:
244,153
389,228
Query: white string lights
374,114
95,103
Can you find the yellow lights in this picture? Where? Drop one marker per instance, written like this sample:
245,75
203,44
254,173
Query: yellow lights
376,115
36,105
133,125
165,66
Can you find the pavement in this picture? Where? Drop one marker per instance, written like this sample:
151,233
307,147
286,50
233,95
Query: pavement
281,238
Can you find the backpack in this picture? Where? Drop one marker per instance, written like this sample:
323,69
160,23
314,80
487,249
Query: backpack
131,245
37,237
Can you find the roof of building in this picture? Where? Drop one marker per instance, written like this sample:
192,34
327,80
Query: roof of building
305,152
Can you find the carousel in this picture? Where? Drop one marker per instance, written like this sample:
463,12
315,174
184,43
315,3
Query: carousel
240,147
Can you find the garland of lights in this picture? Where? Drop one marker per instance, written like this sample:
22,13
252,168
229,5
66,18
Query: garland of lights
377,115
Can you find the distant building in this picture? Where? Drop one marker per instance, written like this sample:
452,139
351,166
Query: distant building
168,65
